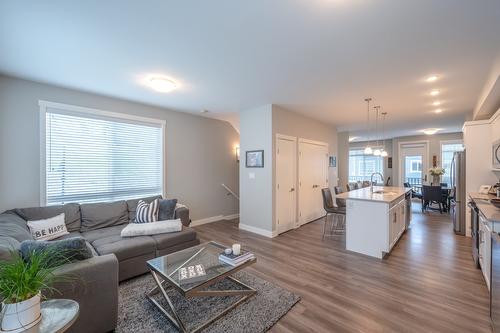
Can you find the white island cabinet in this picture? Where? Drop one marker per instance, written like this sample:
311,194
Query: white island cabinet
376,220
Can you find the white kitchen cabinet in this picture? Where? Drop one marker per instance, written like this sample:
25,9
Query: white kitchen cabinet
485,249
397,220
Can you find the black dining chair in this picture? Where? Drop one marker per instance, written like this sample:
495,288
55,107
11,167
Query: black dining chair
414,194
338,214
432,194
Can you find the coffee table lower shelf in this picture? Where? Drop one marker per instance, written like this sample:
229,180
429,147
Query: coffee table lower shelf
162,286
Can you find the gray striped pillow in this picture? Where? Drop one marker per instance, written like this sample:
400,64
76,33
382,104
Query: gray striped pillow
146,213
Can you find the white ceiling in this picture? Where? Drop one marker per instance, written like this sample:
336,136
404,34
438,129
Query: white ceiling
317,57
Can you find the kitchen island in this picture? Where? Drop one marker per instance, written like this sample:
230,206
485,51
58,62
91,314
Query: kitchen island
376,218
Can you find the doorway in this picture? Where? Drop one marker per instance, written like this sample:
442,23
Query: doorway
413,165
286,178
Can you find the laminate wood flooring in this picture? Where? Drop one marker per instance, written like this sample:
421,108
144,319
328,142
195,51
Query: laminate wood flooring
427,284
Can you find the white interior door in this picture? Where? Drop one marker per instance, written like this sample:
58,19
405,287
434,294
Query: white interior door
413,166
286,178
313,176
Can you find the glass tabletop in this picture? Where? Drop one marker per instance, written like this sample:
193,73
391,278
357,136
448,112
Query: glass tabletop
174,267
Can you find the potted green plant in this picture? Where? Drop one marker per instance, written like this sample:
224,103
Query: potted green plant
436,174
22,283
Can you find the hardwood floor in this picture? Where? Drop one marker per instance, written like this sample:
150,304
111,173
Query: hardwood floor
427,284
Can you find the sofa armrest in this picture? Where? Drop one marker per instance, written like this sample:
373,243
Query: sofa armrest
93,283
183,214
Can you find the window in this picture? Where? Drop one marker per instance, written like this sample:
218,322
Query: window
416,166
362,166
447,150
91,155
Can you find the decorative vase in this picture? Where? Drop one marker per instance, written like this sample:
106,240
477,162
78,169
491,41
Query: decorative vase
436,180
21,316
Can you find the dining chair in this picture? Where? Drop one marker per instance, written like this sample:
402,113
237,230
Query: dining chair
337,213
432,194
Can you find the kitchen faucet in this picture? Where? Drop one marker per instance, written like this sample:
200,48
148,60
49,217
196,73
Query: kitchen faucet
371,180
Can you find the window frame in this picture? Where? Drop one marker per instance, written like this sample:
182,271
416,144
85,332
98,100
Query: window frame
355,148
448,142
75,110
418,163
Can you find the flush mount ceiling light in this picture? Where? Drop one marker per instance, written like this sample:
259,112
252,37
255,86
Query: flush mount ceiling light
352,138
436,103
162,84
438,110
430,131
434,92
432,78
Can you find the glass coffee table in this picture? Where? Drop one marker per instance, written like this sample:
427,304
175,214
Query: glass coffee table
167,271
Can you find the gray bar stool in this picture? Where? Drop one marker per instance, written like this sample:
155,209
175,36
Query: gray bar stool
337,213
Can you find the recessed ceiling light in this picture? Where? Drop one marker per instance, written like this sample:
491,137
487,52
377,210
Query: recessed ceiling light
432,78
438,111
162,84
434,92
436,103
430,131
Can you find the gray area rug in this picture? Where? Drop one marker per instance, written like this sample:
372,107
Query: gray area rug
257,314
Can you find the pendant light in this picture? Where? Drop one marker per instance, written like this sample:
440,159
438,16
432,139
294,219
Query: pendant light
368,150
377,150
384,152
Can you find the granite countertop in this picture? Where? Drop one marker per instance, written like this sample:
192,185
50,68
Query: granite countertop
489,212
390,194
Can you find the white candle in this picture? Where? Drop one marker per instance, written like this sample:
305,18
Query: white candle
236,249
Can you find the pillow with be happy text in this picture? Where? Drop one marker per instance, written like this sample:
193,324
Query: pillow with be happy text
48,229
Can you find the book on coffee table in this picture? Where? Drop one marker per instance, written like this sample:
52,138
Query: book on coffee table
191,274
235,260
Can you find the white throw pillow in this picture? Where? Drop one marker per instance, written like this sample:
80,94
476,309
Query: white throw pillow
152,228
48,229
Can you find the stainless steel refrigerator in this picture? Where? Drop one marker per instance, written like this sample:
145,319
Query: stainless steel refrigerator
457,176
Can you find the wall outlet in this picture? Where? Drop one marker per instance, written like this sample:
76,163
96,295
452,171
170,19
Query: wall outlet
251,175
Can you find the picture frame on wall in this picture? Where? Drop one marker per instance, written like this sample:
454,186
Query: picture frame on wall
254,159
332,161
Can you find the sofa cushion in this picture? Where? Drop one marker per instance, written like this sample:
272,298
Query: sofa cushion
7,246
167,209
102,215
132,205
93,235
167,240
71,214
11,225
125,248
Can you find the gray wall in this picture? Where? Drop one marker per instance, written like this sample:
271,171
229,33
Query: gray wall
200,151
343,158
256,195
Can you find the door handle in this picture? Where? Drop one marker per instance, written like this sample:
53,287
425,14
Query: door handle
315,186
292,189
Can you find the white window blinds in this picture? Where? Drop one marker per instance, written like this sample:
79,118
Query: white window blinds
90,158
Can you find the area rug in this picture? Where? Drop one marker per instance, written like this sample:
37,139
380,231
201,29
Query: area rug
257,314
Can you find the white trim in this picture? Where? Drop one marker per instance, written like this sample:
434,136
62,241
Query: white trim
214,219
68,109
482,122
258,231
318,143
286,137
98,112
424,167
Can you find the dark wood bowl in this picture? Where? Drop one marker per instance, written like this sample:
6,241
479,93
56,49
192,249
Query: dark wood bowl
495,202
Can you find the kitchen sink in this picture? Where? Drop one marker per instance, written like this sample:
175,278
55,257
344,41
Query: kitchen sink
384,192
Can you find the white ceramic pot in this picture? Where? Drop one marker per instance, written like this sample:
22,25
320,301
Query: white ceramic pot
21,316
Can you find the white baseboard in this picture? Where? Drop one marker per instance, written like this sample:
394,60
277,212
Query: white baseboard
214,219
259,231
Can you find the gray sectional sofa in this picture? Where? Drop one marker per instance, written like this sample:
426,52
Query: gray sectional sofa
95,282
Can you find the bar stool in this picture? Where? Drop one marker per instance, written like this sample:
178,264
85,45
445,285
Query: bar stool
337,213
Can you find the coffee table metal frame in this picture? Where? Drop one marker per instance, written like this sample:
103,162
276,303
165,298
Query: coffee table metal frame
162,285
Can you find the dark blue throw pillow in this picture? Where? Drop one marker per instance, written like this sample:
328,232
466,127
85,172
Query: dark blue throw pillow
167,209
74,249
